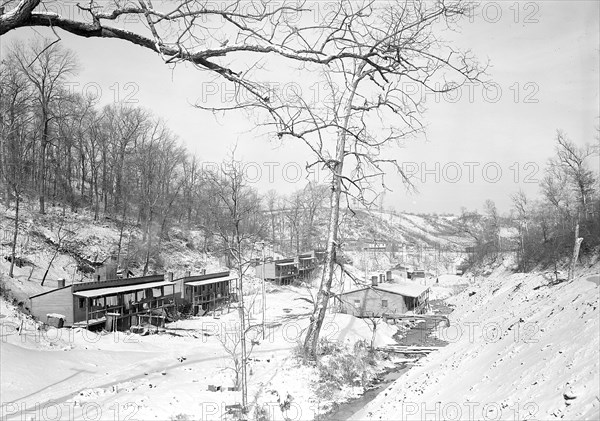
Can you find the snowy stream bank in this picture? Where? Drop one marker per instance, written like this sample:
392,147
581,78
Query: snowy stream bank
418,335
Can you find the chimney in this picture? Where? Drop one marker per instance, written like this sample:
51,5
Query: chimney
170,276
374,279
388,275
187,274
382,278
203,272
60,282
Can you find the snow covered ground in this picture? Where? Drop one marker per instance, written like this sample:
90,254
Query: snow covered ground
521,348
76,374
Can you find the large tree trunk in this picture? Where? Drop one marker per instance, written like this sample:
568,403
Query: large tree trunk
121,235
44,146
311,340
242,322
316,319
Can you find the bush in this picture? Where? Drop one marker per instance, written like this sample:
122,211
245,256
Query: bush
261,413
340,366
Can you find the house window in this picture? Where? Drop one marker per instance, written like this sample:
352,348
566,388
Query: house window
384,303
81,302
357,303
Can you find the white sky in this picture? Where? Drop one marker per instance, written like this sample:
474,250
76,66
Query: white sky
545,62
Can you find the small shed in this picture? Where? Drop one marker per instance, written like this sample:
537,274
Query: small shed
385,300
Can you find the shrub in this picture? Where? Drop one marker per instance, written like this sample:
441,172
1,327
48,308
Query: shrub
340,366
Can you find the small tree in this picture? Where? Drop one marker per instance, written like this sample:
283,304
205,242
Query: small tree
61,234
373,319
234,217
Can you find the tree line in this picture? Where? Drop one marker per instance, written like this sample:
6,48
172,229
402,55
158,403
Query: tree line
123,163
542,229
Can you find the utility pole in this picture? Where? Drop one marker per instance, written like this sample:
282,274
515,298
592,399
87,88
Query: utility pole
262,245
264,294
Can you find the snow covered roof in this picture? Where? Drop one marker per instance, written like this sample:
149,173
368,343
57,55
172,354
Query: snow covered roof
99,292
211,281
408,289
285,264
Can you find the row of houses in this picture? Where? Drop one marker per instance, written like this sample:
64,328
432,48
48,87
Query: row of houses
114,302
287,270
118,304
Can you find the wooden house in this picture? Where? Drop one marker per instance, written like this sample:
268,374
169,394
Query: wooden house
114,305
306,263
416,274
320,255
285,271
282,271
384,300
208,291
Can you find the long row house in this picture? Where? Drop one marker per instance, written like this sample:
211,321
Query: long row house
288,270
118,304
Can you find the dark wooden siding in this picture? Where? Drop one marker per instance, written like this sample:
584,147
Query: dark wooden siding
58,301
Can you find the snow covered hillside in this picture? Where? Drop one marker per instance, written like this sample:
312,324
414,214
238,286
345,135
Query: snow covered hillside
82,243
422,230
522,347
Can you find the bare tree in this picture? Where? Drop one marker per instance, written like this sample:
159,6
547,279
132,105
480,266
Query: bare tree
174,30
46,66
314,196
235,219
573,161
15,146
61,235
271,200
294,214
373,320
231,341
522,206
367,106
492,224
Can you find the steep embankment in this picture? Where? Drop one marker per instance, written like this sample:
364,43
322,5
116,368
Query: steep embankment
522,347
75,243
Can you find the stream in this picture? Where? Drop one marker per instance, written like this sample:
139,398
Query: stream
419,335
